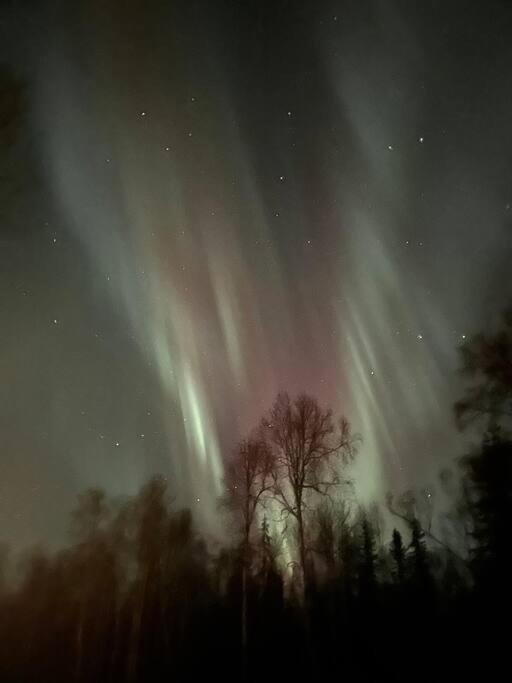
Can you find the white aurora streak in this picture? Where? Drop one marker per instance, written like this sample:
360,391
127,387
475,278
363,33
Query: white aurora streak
230,287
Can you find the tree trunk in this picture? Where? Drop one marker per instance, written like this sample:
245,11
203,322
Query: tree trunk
79,645
244,622
302,550
245,562
136,630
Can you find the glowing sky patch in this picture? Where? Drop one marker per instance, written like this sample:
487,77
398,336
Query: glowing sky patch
226,216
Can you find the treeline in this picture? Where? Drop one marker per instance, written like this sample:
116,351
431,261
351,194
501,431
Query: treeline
310,586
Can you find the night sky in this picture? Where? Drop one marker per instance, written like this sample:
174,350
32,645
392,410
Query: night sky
216,200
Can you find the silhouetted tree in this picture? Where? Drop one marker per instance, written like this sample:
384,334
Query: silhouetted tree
92,569
270,595
150,517
308,456
398,554
268,550
407,508
247,480
348,550
490,479
368,561
325,544
420,570
486,360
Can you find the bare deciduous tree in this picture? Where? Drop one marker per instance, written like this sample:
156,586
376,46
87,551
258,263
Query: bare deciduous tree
247,480
307,456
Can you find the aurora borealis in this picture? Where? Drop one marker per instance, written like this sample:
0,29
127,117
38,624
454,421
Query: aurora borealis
237,198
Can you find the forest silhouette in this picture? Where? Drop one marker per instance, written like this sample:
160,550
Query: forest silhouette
307,586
